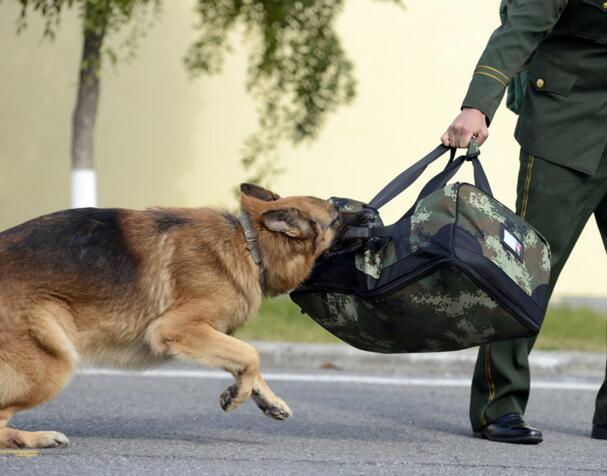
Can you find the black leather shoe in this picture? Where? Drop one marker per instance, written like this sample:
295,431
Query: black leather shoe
510,428
599,432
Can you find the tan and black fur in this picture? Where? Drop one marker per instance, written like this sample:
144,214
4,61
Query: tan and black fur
134,288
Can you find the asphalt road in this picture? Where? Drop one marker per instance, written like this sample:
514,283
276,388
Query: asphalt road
170,423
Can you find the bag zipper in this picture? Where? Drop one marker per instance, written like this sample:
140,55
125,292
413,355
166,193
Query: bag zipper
503,300
493,292
383,290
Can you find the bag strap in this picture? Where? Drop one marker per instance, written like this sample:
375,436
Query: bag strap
359,232
440,180
480,178
406,178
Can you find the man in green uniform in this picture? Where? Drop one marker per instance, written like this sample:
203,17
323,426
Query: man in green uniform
562,131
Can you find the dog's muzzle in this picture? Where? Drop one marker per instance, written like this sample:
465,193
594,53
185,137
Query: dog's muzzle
355,218
353,212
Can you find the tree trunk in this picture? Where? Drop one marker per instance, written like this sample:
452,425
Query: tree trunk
84,183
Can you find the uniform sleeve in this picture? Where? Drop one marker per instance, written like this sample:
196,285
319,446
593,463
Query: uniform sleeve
509,49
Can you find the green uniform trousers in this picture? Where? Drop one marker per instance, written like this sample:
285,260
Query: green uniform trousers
558,202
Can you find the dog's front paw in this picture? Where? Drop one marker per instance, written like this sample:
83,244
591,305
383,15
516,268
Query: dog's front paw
226,399
232,398
275,408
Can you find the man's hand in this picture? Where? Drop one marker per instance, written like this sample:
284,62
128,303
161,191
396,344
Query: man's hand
468,123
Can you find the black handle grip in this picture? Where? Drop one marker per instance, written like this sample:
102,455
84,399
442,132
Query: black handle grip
406,178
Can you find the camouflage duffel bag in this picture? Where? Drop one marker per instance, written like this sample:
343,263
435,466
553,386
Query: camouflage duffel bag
457,270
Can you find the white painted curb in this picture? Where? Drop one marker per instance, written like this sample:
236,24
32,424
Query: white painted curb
332,378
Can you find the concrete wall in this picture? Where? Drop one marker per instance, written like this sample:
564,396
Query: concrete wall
163,139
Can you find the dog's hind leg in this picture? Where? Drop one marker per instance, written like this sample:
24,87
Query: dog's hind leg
36,361
13,438
196,340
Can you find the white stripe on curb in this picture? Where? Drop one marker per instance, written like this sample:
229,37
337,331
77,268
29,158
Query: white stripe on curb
354,379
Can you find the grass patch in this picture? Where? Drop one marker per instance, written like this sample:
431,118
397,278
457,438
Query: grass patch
564,328
573,329
281,320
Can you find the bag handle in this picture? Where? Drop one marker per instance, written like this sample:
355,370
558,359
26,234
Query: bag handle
410,175
406,178
480,178
440,180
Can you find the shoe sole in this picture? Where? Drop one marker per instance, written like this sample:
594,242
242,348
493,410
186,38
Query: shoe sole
599,433
516,440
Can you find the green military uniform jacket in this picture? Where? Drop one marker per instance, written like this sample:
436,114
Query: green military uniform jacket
563,45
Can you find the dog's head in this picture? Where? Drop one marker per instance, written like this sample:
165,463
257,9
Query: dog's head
309,223
292,233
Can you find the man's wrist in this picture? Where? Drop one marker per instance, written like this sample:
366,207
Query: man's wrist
465,108
481,113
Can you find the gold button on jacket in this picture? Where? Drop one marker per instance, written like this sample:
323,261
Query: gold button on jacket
540,83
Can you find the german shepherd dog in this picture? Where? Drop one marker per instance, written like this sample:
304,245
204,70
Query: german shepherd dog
134,288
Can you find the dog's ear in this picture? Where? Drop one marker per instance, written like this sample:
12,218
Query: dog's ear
288,221
258,192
